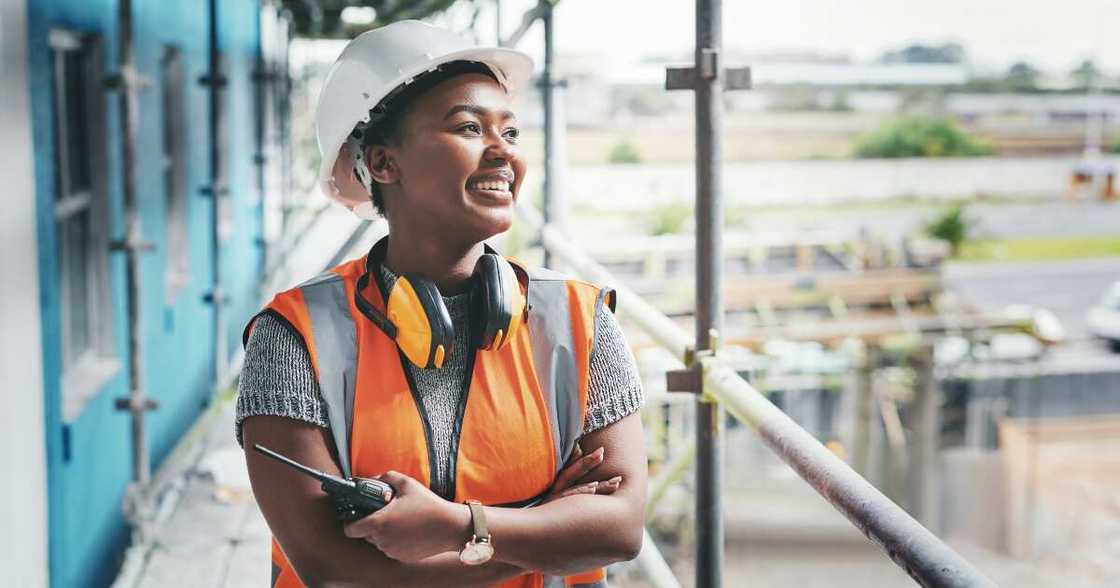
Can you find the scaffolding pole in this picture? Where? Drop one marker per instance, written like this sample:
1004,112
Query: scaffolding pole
217,191
709,282
137,403
707,79
552,204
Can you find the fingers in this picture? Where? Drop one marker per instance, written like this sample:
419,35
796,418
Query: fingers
369,526
588,488
579,468
587,463
395,479
604,487
609,486
362,528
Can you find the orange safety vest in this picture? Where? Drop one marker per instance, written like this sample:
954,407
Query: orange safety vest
520,418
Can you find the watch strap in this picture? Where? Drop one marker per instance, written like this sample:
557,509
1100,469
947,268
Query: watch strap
478,520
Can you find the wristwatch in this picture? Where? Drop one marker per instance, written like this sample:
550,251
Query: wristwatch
478,550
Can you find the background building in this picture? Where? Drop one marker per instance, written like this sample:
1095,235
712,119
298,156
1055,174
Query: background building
64,176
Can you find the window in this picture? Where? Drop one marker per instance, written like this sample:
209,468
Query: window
80,217
174,171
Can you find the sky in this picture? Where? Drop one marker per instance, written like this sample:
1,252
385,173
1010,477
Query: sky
1054,36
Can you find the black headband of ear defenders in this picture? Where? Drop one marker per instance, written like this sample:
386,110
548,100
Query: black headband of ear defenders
374,260
399,97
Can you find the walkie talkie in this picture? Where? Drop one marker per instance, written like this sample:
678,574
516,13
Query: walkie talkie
354,498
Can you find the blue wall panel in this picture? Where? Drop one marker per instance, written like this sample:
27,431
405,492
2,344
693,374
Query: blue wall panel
177,332
89,459
88,465
243,254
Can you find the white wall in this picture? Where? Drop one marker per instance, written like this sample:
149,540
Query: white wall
23,503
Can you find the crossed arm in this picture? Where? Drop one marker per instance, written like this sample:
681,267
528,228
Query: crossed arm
423,532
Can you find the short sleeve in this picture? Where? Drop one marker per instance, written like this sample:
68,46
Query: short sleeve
277,378
615,388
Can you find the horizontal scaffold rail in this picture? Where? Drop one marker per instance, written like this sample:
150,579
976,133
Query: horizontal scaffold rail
911,546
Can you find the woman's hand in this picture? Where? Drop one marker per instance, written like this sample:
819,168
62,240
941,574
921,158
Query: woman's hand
579,466
416,524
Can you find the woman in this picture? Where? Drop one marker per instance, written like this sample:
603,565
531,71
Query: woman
479,411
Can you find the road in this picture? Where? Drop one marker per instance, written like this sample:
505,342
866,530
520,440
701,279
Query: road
1067,288
1050,218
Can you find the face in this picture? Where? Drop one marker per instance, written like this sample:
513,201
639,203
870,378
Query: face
457,166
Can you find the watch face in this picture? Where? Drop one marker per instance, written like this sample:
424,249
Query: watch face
476,553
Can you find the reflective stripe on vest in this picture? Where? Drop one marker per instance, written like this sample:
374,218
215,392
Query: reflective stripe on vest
341,345
550,331
335,340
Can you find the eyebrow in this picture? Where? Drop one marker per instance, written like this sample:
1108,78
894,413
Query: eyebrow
476,110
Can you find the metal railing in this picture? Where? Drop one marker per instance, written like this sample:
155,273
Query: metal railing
916,550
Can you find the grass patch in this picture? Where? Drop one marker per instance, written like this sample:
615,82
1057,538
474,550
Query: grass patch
624,151
1039,249
667,219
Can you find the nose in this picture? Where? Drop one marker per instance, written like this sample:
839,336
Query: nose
499,150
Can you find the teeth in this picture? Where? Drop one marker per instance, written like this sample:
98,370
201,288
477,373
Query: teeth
499,186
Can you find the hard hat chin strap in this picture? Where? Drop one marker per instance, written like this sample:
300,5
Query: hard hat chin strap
353,148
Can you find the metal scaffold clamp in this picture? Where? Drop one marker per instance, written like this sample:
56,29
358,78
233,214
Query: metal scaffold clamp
131,245
214,189
213,80
542,83
215,297
127,77
136,404
691,379
707,70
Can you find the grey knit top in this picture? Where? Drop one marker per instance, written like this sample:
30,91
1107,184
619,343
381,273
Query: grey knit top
278,379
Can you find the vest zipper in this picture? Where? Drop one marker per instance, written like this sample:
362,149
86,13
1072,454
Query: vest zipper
423,413
453,454
457,431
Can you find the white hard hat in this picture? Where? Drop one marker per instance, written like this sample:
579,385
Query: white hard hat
370,67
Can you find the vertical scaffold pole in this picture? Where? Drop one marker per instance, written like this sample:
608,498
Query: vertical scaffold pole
129,82
708,79
550,205
709,285
217,191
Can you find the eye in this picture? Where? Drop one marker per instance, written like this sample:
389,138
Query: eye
471,127
511,133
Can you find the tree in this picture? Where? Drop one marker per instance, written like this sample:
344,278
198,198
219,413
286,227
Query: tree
920,137
921,53
952,226
624,152
1085,75
1022,77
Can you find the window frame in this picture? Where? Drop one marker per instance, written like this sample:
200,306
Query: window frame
173,104
86,365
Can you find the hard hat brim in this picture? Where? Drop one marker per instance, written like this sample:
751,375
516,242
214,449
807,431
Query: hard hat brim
512,68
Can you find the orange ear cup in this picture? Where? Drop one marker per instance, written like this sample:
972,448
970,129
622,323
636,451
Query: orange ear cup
417,320
424,331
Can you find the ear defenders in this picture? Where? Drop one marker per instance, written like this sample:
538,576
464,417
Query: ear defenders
417,320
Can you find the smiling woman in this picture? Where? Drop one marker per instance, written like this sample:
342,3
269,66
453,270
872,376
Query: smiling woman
452,166
499,401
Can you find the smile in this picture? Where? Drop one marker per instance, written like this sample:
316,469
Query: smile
490,186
